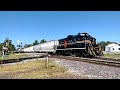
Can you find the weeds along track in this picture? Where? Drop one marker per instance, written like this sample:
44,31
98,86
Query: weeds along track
20,59
97,60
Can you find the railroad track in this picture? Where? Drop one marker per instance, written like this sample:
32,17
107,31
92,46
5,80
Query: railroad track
20,59
102,61
98,60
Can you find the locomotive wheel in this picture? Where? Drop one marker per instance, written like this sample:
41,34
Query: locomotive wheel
77,55
58,53
84,55
70,53
101,54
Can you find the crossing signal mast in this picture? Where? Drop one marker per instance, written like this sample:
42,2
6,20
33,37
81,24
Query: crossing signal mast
19,46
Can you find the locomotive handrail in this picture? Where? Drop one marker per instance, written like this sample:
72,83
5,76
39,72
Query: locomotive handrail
91,48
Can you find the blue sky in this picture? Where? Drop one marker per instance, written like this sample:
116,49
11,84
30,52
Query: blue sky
28,26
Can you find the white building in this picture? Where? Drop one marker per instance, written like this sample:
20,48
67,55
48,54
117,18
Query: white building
112,48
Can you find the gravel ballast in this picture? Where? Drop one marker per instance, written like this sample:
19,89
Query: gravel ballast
92,71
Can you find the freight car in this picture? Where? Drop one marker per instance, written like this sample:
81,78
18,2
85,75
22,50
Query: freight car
29,49
49,47
81,44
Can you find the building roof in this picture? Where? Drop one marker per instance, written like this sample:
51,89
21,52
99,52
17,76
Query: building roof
116,46
113,44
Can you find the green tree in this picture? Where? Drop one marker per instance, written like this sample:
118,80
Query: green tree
1,44
12,47
27,45
109,42
42,41
103,43
36,42
7,43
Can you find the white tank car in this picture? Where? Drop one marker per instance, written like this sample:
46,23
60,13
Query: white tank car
22,50
29,49
49,46
36,48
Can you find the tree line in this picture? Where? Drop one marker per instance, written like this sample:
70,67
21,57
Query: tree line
7,42
36,42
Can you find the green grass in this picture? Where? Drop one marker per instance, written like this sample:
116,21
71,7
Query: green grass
32,70
112,56
13,56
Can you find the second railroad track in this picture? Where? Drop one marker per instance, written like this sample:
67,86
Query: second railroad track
102,61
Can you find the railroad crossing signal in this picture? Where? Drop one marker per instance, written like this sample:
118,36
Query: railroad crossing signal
19,45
